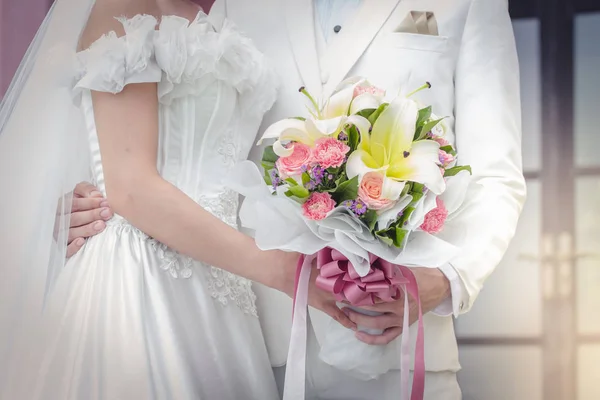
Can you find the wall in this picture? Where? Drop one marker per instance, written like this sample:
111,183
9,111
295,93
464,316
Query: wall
19,20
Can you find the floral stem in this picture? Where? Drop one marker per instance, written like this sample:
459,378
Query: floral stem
312,100
427,85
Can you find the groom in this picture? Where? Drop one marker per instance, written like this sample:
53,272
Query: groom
466,50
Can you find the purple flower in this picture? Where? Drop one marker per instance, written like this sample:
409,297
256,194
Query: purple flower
347,203
275,179
318,174
311,185
330,177
304,168
359,207
342,136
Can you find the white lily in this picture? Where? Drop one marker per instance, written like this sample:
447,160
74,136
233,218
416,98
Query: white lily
338,112
391,150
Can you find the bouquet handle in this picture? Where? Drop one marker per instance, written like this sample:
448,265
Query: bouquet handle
295,375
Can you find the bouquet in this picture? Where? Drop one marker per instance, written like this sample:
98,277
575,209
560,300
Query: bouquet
365,185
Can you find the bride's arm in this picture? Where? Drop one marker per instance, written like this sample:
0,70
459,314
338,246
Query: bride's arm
127,125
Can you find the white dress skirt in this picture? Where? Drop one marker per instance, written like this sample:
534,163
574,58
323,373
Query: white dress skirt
128,318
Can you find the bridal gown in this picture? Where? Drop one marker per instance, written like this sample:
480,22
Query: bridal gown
129,318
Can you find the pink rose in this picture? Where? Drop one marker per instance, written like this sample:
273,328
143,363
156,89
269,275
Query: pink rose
375,91
370,190
443,142
435,219
317,206
445,158
292,164
329,152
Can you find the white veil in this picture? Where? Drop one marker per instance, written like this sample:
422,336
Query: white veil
43,154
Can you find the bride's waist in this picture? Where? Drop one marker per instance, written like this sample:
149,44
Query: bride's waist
223,205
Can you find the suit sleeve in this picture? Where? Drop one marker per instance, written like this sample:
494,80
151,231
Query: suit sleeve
488,137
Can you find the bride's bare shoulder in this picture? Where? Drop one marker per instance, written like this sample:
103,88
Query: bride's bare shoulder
104,13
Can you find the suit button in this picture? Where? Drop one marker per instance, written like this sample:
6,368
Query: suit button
337,28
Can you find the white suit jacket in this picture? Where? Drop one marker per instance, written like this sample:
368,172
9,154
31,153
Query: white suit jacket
473,69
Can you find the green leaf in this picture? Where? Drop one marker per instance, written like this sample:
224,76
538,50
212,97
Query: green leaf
347,190
424,115
305,178
267,168
267,177
299,191
393,236
373,117
400,236
292,182
267,165
417,187
370,219
269,155
366,113
416,196
383,236
405,216
299,118
449,149
422,131
455,170
353,138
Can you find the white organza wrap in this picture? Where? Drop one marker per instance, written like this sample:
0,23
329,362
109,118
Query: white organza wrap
277,223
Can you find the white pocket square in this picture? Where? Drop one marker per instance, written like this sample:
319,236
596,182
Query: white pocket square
419,22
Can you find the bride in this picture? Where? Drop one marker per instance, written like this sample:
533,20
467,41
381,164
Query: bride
160,304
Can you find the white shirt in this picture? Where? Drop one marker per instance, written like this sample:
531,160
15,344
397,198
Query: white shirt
332,13
328,15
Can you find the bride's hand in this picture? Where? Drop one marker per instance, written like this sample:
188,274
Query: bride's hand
317,298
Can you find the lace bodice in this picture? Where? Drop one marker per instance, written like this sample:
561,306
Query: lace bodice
213,88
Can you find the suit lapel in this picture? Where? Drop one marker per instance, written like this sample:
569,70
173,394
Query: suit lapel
349,45
299,16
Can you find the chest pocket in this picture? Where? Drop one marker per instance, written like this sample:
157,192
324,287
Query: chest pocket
406,59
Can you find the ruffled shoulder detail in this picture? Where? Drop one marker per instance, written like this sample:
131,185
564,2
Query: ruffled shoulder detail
183,57
113,62
185,53
195,55
248,69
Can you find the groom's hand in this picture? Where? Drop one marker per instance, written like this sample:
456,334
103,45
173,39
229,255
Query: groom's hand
325,302
434,288
89,211
317,298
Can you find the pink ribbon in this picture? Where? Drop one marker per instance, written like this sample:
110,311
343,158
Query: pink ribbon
384,281
338,276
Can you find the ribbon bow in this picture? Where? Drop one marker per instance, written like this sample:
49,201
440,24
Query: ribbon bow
338,276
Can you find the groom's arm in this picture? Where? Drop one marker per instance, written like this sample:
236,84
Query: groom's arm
488,137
